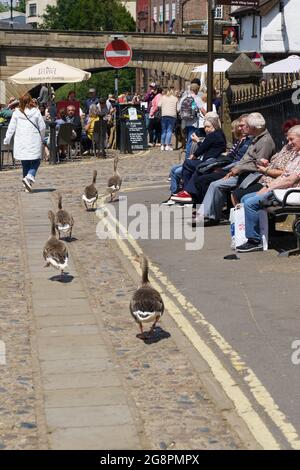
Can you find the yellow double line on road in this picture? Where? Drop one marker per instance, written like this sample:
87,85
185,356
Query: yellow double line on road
242,404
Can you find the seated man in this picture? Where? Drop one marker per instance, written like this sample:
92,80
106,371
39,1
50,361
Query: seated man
256,201
262,146
75,120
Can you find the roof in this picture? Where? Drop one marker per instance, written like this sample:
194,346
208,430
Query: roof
262,9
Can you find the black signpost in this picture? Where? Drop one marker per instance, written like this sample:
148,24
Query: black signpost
133,133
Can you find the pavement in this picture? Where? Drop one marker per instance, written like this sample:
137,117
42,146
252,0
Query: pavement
218,372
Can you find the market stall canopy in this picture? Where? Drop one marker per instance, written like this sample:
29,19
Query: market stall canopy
289,65
50,71
220,65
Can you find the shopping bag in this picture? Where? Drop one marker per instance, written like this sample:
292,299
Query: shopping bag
264,228
239,225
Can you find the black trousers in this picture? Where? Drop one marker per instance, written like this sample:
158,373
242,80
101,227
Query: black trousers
202,182
154,130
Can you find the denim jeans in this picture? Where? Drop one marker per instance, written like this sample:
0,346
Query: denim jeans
189,131
30,168
175,174
253,203
167,127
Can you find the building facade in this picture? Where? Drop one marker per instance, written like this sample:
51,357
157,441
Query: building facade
35,10
272,27
178,16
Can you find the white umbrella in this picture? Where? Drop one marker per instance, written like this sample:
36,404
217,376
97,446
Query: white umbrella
50,71
289,65
220,65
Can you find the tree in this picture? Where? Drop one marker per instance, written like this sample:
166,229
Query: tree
92,15
21,7
89,15
102,81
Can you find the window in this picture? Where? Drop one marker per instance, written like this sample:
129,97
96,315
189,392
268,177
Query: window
254,26
241,22
167,12
161,13
173,11
219,12
32,9
155,14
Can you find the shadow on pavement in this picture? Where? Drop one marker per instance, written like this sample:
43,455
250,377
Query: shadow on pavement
65,279
157,335
43,190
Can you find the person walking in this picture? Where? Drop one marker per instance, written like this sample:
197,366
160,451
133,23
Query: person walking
168,105
28,128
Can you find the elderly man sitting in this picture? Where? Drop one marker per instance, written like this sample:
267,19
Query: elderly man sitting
253,202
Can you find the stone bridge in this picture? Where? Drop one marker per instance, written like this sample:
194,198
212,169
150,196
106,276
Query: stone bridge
169,53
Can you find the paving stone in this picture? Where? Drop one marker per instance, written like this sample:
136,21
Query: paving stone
83,396
95,438
108,415
104,378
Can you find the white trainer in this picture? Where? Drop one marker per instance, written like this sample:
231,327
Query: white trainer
27,183
168,148
162,147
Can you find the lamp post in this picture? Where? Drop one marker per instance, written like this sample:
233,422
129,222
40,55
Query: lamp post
11,22
210,53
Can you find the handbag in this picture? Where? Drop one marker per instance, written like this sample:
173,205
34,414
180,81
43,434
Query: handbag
211,163
250,179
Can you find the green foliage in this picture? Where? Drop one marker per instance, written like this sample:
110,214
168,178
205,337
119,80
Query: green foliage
89,15
103,82
3,8
21,7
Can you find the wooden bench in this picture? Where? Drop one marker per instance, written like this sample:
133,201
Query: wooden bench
283,210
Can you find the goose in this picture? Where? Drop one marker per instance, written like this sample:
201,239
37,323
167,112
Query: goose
55,252
114,183
146,304
90,195
63,220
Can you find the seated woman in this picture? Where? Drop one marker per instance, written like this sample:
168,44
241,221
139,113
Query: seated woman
201,182
270,170
176,170
87,137
213,146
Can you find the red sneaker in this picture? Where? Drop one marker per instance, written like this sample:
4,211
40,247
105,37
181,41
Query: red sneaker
183,196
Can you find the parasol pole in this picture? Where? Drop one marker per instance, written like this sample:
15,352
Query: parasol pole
52,125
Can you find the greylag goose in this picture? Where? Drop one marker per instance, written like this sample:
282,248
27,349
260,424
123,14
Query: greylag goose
90,194
114,183
63,220
55,251
146,304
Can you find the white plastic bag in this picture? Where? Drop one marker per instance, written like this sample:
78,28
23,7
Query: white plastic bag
237,226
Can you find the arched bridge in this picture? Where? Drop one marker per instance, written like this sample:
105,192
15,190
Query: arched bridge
170,53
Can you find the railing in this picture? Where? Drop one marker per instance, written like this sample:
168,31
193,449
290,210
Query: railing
277,100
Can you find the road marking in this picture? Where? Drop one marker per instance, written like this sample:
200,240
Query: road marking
243,406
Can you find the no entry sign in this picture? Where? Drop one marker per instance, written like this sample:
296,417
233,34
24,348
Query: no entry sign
118,53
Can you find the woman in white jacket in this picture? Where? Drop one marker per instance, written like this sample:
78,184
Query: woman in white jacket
28,128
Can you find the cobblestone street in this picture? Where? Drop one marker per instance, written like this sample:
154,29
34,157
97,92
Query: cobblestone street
158,394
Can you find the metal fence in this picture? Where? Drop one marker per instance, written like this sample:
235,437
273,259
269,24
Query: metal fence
277,101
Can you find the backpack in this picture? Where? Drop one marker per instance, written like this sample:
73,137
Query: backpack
188,109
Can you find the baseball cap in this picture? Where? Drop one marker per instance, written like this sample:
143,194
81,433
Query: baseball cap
152,84
92,90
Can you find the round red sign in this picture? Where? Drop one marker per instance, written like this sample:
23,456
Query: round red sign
118,53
